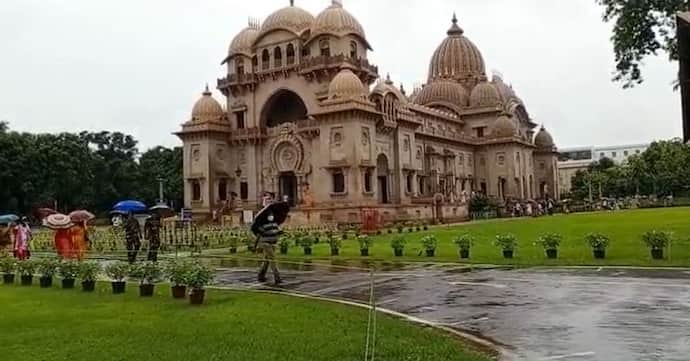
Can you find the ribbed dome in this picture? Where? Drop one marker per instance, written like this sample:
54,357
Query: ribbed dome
346,84
443,92
384,87
337,21
484,95
544,139
290,18
207,109
503,128
242,42
456,58
504,91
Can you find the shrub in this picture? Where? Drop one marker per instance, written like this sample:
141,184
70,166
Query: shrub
333,241
176,271
198,275
305,240
68,269
7,264
118,271
429,242
47,267
234,241
597,241
550,241
464,241
364,241
146,272
398,242
507,242
88,271
285,241
656,239
26,267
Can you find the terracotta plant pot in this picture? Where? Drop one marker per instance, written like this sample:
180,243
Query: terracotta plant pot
657,254
27,280
464,253
68,283
179,292
364,252
118,287
398,252
8,278
599,253
196,297
507,254
88,286
430,252
551,253
146,290
46,282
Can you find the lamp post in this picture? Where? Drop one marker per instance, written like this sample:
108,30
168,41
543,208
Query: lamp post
161,200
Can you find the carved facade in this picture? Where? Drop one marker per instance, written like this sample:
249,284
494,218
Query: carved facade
308,119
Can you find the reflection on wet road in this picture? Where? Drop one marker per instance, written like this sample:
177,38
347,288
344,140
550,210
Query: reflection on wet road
579,314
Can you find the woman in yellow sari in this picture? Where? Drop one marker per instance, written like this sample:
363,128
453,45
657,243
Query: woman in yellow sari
80,239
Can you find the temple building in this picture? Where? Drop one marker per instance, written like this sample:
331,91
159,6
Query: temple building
308,118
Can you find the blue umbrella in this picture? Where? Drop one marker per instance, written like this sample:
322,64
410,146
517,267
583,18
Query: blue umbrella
8,218
130,206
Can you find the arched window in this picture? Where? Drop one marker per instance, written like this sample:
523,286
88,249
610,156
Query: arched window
265,59
353,49
325,47
255,63
277,57
306,52
290,53
223,190
338,181
239,65
196,190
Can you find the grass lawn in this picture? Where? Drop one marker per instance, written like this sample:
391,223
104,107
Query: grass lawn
56,324
623,227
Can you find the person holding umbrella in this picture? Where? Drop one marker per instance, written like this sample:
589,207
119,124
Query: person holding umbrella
61,224
22,236
266,227
132,237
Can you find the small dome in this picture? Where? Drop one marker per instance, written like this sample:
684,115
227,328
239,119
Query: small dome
337,21
242,42
484,95
384,87
505,92
291,18
503,128
346,84
544,139
207,109
456,58
443,92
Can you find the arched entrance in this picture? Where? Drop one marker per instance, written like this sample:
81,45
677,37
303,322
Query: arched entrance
288,187
284,106
382,176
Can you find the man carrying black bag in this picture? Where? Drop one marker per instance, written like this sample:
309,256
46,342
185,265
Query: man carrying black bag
268,234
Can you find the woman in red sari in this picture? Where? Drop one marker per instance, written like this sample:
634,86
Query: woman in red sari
63,243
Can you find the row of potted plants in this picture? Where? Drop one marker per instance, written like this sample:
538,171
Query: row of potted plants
182,274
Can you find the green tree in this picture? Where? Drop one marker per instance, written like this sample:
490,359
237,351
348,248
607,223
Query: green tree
641,28
165,163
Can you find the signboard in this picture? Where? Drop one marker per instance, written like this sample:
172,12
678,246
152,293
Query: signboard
186,215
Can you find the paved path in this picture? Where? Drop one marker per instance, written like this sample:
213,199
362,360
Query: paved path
574,314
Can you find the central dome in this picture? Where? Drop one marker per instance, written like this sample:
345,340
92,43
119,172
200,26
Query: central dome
337,21
291,18
456,58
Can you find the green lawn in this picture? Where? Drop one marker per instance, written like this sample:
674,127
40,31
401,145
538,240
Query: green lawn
55,324
624,227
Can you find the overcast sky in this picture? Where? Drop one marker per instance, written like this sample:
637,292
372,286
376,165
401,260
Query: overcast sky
138,66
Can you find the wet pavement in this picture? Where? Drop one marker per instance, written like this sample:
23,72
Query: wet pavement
536,314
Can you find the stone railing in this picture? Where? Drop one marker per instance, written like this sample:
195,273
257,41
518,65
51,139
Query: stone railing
326,61
248,134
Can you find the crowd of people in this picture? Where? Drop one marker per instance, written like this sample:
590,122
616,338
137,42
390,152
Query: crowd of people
532,208
16,236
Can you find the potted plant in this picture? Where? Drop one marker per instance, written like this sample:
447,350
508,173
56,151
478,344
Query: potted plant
657,241
148,273
429,244
599,242
334,243
68,270
550,242
464,242
47,268
176,271
284,244
7,265
507,243
400,228
306,242
234,243
365,242
425,227
418,227
88,273
198,276
118,271
26,269
398,245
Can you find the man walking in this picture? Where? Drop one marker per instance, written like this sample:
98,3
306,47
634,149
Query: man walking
268,237
152,232
132,238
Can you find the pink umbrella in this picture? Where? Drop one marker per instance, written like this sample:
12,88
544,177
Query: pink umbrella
81,216
58,221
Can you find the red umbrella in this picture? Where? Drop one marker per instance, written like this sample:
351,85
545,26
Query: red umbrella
45,212
58,221
81,216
